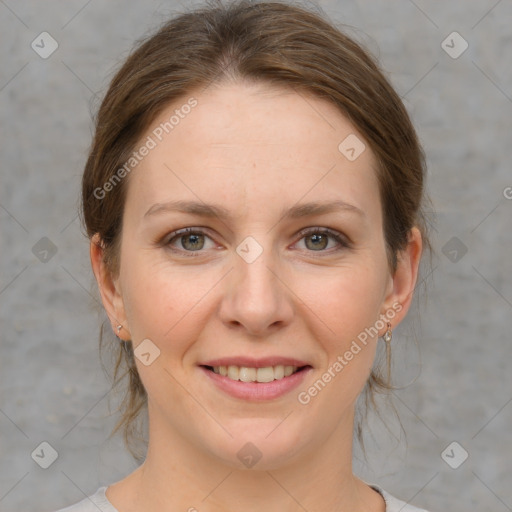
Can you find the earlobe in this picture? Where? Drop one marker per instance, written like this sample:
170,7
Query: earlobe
405,277
110,293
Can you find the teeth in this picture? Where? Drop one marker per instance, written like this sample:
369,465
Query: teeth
245,374
232,372
265,374
278,372
288,370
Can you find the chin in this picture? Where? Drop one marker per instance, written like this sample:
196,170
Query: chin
259,444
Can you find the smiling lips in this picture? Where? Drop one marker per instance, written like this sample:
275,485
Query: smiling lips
248,374
259,379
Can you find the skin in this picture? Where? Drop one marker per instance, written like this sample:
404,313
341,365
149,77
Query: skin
255,150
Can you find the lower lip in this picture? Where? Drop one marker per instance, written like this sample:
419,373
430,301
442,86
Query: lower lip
257,391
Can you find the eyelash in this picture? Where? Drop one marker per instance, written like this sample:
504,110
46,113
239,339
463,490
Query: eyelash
176,235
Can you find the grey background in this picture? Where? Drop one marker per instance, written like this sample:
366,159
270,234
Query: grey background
456,350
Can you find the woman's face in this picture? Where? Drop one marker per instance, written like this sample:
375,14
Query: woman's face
257,282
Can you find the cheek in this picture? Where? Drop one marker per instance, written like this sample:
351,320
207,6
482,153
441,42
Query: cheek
345,299
163,302
346,310
349,311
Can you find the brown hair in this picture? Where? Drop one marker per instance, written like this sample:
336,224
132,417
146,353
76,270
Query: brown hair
270,42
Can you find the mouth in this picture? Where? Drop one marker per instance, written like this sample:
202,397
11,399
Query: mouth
255,380
252,374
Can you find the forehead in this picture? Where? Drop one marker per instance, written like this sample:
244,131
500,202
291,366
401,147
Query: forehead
251,144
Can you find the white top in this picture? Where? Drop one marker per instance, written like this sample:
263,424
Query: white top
99,502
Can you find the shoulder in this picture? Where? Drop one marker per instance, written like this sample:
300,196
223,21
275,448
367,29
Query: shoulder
94,503
394,504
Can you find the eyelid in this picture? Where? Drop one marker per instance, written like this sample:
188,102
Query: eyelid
165,241
337,235
343,241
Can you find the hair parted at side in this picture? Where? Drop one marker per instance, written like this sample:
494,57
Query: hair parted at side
272,42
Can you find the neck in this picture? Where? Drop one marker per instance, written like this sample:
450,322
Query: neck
178,476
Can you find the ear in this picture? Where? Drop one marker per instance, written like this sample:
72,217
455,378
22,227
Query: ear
403,282
109,290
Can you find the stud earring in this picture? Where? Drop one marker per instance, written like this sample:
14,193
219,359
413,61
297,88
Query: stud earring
388,335
120,326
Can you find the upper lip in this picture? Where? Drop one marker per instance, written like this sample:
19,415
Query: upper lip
251,362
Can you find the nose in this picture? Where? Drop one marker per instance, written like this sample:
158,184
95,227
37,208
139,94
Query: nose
256,299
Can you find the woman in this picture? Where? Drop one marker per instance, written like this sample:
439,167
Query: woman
253,196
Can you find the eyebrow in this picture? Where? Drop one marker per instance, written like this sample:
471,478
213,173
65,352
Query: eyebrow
216,210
